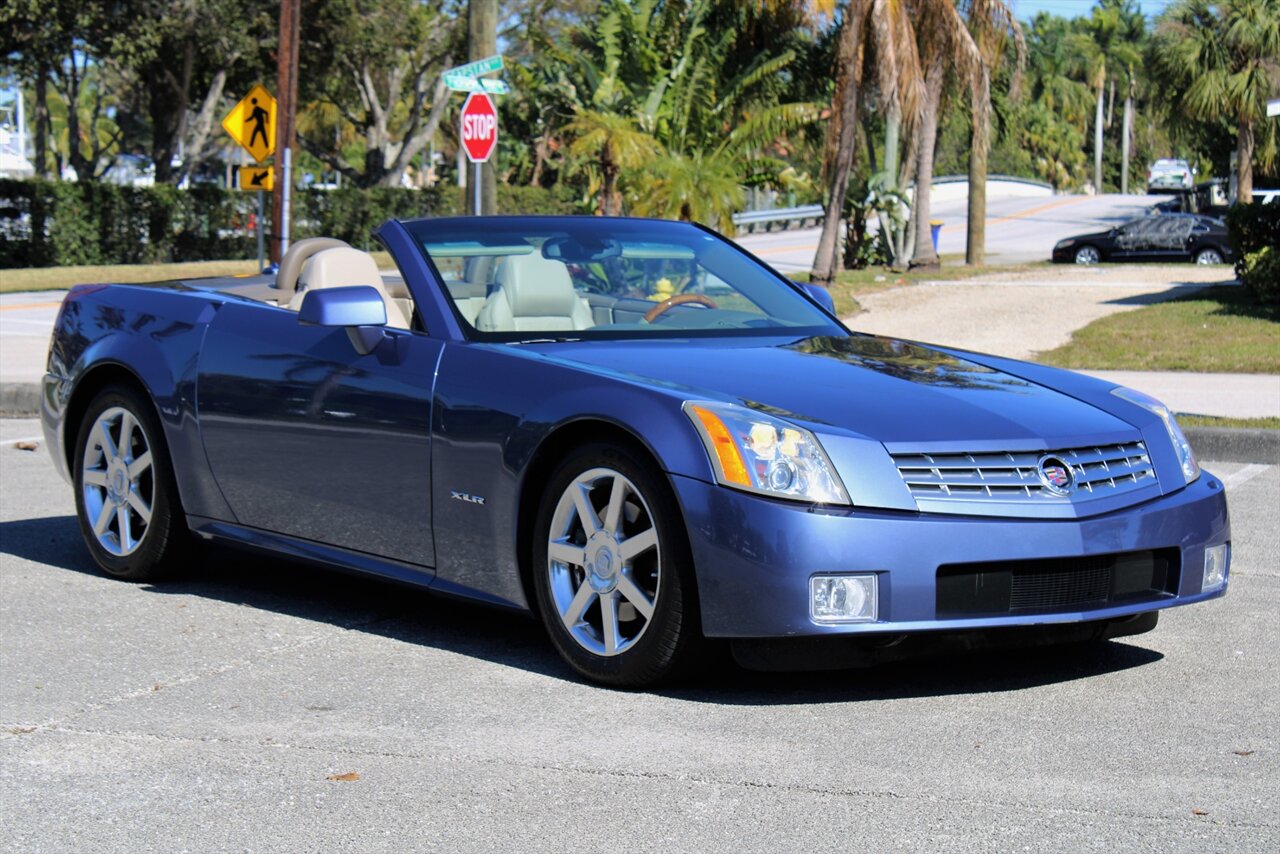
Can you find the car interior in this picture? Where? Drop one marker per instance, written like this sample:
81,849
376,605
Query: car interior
551,284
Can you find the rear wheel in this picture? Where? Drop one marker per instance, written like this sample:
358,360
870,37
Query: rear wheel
126,497
613,574
1209,256
1088,255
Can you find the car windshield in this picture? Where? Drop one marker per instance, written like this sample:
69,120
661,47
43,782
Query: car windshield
521,278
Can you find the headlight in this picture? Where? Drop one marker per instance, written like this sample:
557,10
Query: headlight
1063,244
759,453
1187,459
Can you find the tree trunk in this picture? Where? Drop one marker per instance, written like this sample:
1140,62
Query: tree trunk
170,93
42,124
482,41
197,137
975,249
1097,142
1244,163
826,261
71,94
925,256
892,142
1127,130
609,202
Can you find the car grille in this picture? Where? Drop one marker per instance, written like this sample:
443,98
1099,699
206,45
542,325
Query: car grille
1014,475
1056,584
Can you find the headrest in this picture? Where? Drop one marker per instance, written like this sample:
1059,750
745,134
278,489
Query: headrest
291,263
537,287
340,267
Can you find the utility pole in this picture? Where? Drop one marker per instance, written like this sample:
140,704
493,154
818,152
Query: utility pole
482,41
286,129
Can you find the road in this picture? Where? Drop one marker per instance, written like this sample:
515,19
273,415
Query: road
1019,230
213,714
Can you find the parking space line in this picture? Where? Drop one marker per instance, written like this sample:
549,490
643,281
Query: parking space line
1243,476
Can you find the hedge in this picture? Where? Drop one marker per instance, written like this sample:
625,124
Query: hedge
1254,230
55,223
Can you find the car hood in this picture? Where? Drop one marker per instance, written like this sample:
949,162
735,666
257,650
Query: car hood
901,393
1093,235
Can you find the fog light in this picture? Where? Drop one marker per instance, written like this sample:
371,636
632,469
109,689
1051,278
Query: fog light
843,598
1215,567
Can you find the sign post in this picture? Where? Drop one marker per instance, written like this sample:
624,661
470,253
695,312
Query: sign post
252,123
479,134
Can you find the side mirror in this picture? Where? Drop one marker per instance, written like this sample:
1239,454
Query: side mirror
358,308
821,295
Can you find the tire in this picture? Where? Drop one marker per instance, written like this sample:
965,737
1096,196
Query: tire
1088,255
593,589
1208,255
126,501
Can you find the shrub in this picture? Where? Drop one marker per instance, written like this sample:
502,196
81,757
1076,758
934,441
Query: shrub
56,223
1260,273
1252,228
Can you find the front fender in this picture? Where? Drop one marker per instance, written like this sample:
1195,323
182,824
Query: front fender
154,336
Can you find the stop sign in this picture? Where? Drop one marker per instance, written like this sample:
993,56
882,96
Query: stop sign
479,127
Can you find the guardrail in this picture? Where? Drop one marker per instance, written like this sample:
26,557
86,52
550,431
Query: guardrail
752,220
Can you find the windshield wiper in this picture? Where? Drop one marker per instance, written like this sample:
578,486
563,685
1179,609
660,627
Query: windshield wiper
545,340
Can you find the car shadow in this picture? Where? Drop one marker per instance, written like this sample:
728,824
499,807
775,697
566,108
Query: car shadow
415,616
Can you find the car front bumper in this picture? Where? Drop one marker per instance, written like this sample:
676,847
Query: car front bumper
754,556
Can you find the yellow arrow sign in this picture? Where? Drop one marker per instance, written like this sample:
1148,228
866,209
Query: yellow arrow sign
257,178
252,123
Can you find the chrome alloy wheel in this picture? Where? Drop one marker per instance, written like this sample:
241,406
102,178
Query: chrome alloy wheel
1209,256
1087,255
604,562
118,482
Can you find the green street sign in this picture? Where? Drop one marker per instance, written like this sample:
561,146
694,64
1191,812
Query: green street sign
463,84
488,65
494,87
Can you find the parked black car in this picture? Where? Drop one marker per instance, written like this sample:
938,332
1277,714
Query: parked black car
1159,237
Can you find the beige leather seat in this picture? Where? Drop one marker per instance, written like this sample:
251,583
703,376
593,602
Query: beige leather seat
299,253
341,267
534,294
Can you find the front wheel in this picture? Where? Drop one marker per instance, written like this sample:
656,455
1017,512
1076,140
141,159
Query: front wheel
1209,256
1088,255
126,497
613,573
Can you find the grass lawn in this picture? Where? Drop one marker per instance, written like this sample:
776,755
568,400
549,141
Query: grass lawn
1215,421
850,284
13,280
1217,330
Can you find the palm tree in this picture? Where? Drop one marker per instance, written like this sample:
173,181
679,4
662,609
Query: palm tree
1221,59
1102,46
1050,66
692,188
945,44
881,28
618,143
993,26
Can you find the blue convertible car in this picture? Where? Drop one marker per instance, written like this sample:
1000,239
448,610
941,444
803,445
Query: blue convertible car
633,429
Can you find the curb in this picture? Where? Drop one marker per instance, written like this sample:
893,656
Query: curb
1235,445
21,400
1221,444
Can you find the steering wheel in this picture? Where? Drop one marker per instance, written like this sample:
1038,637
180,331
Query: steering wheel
679,299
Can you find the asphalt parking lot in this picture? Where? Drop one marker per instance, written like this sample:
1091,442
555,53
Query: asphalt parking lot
263,706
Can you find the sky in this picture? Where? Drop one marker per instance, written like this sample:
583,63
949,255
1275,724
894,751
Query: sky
1026,9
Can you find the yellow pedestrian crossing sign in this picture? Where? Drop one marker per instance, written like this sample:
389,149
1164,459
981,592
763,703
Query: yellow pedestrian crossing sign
257,178
252,123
